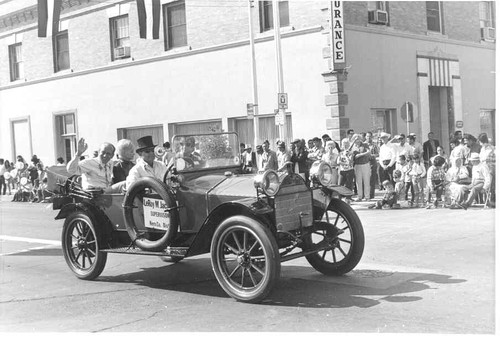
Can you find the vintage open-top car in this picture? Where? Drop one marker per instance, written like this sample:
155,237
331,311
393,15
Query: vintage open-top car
249,223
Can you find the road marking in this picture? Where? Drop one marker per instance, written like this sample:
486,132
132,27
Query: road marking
25,250
31,240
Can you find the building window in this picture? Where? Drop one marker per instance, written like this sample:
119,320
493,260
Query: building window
174,14
384,120
16,62
61,51
435,16
378,12
65,136
120,37
266,15
487,20
486,11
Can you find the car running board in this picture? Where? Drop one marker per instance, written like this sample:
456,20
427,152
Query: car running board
170,251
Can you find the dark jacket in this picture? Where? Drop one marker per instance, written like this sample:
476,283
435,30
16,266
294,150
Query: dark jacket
428,151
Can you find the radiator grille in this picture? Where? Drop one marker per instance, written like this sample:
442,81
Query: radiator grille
293,207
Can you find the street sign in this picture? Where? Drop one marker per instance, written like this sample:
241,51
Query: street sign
279,117
283,101
459,124
407,117
250,111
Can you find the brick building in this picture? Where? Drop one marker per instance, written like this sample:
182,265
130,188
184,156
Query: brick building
97,79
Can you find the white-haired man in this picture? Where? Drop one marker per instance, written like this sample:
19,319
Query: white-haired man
96,172
481,179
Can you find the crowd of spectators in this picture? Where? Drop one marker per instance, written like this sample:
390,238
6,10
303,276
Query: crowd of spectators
411,173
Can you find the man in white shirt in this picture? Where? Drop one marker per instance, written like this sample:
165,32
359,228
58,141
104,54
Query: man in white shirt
146,165
97,172
387,159
481,179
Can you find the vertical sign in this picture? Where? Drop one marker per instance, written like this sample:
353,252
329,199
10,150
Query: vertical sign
337,31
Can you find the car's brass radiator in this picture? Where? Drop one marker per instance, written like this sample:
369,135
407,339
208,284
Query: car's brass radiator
293,205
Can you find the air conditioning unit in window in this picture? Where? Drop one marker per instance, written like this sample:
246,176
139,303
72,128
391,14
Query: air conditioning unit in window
378,17
488,33
122,52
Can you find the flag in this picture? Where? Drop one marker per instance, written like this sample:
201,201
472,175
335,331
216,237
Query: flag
149,12
49,13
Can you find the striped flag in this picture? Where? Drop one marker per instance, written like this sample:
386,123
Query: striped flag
149,12
49,13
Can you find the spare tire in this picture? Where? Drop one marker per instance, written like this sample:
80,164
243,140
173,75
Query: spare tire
151,239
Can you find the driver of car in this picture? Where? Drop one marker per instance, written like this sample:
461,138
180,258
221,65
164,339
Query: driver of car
146,165
191,157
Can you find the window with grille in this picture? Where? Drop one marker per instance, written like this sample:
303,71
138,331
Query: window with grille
486,14
16,62
120,37
174,15
434,16
61,51
266,15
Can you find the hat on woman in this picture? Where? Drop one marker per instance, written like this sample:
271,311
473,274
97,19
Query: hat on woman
144,143
474,157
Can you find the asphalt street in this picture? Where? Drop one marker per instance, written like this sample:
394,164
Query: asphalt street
423,271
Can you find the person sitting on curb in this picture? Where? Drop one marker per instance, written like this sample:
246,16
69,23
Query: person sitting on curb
481,179
390,197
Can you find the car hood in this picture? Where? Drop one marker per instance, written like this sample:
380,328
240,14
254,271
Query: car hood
235,186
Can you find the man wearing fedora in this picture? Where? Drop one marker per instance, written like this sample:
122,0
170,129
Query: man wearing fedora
96,172
146,165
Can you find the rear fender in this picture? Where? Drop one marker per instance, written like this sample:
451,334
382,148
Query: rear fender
104,224
201,243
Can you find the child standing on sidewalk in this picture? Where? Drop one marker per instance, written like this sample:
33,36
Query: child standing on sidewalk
417,174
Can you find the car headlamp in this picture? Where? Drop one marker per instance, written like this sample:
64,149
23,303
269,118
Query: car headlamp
268,182
321,172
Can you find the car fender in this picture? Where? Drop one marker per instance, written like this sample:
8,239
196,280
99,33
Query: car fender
104,222
256,209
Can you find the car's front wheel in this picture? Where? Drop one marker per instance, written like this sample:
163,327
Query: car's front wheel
245,258
340,236
80,246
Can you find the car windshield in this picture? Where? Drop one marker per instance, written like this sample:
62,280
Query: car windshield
203,151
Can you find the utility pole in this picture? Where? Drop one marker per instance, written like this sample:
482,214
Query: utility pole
279,63
254,79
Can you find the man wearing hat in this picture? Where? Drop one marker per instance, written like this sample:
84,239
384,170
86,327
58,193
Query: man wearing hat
146,165
96,172
481,179
249,159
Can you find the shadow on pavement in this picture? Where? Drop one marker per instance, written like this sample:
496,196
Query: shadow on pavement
298,286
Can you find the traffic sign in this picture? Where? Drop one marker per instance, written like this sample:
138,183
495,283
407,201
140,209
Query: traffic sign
250,110
407,117
282,100
279,117
459,124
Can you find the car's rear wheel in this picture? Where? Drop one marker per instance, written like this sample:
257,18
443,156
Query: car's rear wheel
245,258
144,235
342,232
80,245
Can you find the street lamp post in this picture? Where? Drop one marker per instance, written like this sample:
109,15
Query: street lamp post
254,78
279,63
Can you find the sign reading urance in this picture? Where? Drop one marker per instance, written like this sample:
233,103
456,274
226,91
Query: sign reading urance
337,31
